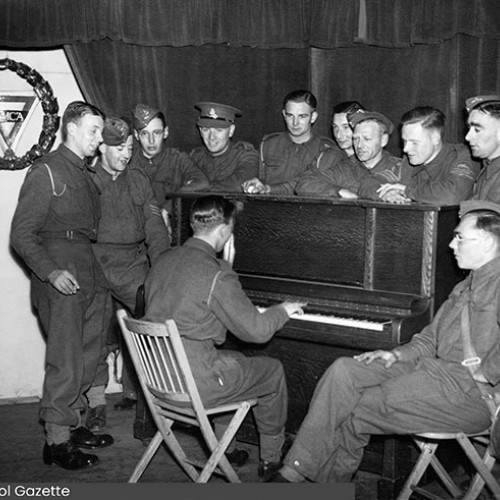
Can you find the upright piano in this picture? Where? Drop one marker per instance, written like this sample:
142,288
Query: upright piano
372,274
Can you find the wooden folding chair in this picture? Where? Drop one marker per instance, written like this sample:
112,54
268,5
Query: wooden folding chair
167,381
428,443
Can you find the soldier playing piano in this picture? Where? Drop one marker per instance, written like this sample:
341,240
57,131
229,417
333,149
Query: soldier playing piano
418,387
204,296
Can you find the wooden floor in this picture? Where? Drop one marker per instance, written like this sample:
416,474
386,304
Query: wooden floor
22,439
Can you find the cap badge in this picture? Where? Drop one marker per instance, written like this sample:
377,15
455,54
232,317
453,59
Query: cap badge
213,114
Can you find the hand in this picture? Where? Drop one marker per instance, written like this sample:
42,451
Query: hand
390,357
255,186
229,252
348,195
384,188
395,197
63,281
293,307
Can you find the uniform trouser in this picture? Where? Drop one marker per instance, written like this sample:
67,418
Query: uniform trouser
125,268
73,325
241,377
354,400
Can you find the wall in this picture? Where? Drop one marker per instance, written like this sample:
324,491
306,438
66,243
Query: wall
22,345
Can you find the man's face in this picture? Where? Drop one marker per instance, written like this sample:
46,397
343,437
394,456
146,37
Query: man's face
483,135
299,117
467,244
151,137
85,135
342,132
116,158
368,141
420,144
216,140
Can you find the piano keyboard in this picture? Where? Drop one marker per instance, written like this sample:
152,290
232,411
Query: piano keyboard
337,320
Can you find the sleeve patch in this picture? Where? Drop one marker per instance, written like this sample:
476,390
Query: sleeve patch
462,170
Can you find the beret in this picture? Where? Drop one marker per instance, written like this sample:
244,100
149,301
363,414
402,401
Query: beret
472,102
115,131
471,205
361,115
213,114
143,114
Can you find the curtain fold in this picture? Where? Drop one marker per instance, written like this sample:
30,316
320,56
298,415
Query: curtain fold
251,23
116,76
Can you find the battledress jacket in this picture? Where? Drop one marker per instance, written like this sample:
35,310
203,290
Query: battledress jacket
130,213
228,171
487,185
170,171
57,196
282,161
204,296
438,348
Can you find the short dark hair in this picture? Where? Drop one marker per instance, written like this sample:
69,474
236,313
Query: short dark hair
491,108
301,96
427,116
74,112
347,107
487,220
208,212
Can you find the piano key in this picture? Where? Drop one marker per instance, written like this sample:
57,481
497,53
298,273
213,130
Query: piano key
337,320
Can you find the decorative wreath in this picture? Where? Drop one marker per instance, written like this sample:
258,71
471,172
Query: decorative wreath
50,119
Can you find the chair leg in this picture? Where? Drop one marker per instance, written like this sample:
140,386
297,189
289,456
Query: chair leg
146,458
483,467
219,447
424,459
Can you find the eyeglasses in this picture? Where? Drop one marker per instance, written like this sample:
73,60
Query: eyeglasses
460,239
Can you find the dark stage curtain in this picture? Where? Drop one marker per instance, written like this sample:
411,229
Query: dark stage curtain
176,23
116,76
400,23
253,23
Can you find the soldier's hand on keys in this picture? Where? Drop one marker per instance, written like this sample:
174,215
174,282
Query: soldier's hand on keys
293,307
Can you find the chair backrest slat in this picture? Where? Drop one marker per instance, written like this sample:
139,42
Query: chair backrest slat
156,355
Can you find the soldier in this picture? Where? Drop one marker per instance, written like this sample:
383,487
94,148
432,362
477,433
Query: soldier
484,139
53,228
226,164
312,181
284,156
131,235
168,169
434,171
350,180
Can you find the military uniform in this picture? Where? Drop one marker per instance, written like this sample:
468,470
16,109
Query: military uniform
487,185
204,296
448,179
428,389
282,160
227,171
171,171
332,170
53,228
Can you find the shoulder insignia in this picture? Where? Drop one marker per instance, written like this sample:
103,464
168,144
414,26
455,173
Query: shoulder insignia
462,170
248,146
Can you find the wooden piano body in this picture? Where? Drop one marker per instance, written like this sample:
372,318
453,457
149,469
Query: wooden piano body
388,263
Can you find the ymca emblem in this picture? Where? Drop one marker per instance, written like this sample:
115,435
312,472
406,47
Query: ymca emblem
14,112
